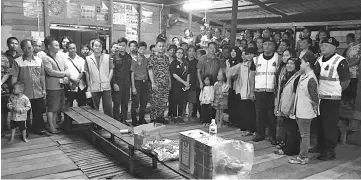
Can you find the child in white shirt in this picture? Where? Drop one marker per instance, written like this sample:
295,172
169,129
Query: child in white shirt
206,98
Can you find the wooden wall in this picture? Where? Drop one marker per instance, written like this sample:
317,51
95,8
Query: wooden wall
149,32
14,23
177,30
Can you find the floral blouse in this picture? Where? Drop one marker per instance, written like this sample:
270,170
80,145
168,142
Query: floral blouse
353,54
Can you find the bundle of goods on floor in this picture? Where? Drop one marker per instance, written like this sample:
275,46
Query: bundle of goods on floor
199,153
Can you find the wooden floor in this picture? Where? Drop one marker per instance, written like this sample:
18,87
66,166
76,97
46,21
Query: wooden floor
55,157
71,156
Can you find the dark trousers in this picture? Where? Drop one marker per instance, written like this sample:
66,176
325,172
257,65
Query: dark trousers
326,124
245,116
170,100
206,113
106,97
197,105
78,96
37,109
178,101
233,107
291,138
140,100
265,113
4,113
121,99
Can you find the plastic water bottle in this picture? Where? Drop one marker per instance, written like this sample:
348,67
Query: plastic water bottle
213,127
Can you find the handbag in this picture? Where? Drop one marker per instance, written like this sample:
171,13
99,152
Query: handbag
83,78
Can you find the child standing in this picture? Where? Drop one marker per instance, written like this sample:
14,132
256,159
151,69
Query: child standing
19,105
206,98
220,102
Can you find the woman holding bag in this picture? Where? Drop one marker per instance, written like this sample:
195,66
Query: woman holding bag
284,107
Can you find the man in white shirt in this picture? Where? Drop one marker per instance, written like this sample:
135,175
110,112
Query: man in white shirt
75,65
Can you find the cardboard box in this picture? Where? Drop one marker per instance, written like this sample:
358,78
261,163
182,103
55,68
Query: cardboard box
203,164
147,132
187,150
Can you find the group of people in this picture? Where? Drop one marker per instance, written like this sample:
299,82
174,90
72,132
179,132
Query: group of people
266,81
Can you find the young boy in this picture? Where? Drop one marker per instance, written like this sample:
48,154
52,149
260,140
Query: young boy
140,88
19,105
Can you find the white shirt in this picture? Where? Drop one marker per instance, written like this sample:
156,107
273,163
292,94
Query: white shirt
79,62
207,95
303,52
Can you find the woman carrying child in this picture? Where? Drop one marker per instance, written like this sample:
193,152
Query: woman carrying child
244,87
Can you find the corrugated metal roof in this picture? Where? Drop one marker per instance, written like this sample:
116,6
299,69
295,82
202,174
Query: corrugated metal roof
296,10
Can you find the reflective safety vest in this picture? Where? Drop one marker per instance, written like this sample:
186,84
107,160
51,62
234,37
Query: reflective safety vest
266,73
329,82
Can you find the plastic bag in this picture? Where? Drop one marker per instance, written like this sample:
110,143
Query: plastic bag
232,159
164,150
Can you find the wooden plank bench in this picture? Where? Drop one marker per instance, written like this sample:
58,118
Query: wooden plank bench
349,120
86,114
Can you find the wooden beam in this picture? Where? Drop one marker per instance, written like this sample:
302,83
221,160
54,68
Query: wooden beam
210,19
297,24
268,8
111,24
190,21
46,18
234,21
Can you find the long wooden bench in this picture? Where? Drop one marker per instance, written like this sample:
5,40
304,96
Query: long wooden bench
86,115
350,120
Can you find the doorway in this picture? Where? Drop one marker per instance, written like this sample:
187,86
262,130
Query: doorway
80,34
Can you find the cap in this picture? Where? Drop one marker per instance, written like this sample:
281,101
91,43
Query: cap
331,41
251,50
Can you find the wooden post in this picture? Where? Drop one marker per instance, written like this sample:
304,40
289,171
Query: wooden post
139,21
294,29
111,24
358,93
234,21
190,21
46,19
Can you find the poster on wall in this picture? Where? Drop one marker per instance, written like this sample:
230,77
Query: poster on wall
131,32
125,14
32,8
73,10
56,8
147,17
102,11
87,12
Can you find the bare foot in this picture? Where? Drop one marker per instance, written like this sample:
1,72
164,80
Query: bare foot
26,140
11,141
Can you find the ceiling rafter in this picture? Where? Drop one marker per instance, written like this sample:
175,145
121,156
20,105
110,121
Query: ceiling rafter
268,8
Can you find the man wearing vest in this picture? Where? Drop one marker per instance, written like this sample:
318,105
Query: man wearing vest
333,74
266,67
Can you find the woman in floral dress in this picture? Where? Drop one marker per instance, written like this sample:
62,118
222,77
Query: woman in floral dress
158,67
353,56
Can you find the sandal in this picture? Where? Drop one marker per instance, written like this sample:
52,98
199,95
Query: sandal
298,160
279,152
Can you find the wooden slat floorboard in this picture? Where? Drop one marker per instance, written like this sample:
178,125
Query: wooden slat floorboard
37,146
63,175
42,172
